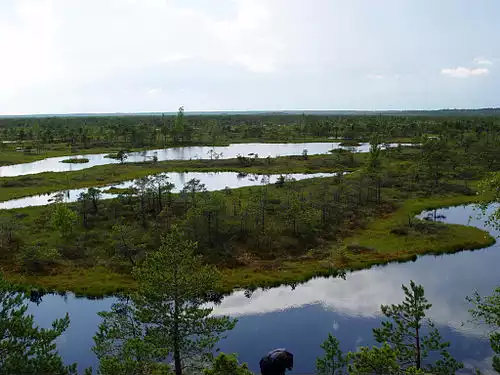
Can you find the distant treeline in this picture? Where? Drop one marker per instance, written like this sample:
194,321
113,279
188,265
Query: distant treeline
417,112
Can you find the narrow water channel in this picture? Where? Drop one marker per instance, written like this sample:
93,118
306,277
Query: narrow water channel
211,180
263,150
300,319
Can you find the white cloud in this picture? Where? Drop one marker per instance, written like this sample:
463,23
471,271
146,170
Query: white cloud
376,76
51,41
82,55
154,91
482,61
461,72
29,54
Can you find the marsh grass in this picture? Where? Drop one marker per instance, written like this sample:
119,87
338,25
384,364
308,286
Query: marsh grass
366,247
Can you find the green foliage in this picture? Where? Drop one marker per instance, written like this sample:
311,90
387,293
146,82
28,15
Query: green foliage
179,126
405,334
127,242
486,310
8,231
36,258
24,348
122,156
404,348
167,316
263,228
489,188
333,362
227,364
374,360
373,162
433,163
63,219
75,161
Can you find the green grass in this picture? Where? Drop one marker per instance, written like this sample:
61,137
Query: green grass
385,247
352,143
112,156
363,246
9,156
75,161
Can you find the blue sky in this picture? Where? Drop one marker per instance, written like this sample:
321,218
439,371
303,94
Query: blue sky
65,56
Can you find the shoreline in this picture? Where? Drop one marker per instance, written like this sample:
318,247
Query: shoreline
12,157
104,175
99,282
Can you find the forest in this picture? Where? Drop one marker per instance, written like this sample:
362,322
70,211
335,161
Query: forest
278,231
51,136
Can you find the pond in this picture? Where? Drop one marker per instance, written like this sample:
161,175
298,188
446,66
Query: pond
212,181
300,319
263,150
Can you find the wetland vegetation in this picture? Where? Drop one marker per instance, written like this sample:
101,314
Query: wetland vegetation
282,232
75,161
263,235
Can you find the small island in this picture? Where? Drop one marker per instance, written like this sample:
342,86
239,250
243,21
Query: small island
350,143
120,155
117,191
75,160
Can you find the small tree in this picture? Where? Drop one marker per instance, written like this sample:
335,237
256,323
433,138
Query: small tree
373,165
191,188
161,185
305,154
377,361
8,229
126,243
179,126
122,156
227,364
143,190
403,333
487,311
24,348
168,316
333,362
63,219
35,258
94,195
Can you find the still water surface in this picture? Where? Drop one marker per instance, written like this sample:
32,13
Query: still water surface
300,319
263,150
211,180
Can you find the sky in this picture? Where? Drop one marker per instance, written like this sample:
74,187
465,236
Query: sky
81,56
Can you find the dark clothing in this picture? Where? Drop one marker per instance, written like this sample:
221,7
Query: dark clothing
276,362
267,367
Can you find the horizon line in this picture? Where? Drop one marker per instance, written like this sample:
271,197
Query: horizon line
69,114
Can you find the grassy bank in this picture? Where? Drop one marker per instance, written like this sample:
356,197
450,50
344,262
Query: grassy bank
42,183
75,161
377,244
258,236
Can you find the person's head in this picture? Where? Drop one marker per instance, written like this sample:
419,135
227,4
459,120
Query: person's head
285,359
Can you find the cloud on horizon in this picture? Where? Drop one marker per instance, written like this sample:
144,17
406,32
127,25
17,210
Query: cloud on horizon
461,72
106,56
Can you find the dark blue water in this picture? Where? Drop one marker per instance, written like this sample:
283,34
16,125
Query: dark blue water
300,319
